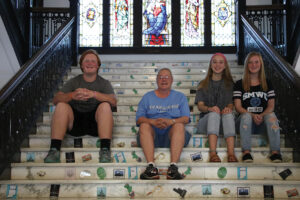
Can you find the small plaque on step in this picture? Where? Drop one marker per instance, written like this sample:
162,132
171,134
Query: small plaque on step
54,190
78,143
285,173
268,191
70,157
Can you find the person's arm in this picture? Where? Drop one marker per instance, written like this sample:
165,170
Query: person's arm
203,108
270,107
238,106
62,97
110,98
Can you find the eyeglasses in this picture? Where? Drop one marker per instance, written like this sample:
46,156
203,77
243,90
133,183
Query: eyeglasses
163,77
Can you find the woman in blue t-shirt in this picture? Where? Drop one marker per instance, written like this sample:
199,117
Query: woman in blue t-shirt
254,99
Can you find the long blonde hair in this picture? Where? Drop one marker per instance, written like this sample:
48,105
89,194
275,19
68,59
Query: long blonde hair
226,74
262,76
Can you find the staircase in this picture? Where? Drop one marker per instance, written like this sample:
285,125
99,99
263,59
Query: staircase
84,177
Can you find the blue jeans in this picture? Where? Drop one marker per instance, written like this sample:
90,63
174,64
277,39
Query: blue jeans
210,124
269,125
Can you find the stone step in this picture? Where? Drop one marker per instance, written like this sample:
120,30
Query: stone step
161,64
124,114
153,71
44,129
133,100
133,77
193,171
129,140
134,155
150,189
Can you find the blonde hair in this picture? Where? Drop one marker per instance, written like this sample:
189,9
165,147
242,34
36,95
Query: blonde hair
226,74
262,76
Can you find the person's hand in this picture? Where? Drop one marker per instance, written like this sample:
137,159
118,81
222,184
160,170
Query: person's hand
226,110
82,94
161,123
215,109
258,119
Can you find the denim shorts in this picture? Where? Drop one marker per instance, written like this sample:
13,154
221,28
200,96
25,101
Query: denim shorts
161,138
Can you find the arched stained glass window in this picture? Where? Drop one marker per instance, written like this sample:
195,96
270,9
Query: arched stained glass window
192,23
157,30
91,23
223,22
121,23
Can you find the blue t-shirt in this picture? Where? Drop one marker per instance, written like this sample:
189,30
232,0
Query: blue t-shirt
173,106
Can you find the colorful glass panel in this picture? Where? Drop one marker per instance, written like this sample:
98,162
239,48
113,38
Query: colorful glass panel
157,26
121,23
91,22
192,22
223,22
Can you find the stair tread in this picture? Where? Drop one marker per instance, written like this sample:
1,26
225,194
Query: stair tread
143,164
115,181
254,149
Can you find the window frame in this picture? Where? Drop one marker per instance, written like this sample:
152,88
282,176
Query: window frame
175,49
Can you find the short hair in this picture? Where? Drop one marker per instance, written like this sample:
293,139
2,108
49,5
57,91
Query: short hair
167,69
89,51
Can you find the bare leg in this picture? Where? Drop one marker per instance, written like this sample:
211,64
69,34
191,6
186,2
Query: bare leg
212,139
62,120
177,137
147,141
104,121
230,145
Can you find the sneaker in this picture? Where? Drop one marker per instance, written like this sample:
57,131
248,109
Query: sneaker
276,158
105,155
247,158
173,173
150,173
53,156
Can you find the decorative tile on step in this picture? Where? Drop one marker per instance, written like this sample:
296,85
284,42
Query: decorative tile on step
134,155
256,189
132,171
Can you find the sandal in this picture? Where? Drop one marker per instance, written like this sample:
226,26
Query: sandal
232,158
214,158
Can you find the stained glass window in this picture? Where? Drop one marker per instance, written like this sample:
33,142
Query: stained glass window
157,30
91,21
121,23
192,23
223,22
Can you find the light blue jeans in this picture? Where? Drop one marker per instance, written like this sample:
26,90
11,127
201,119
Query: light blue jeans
269,125
210,124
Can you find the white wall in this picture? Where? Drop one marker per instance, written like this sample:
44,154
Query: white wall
9,64
56,3
297,62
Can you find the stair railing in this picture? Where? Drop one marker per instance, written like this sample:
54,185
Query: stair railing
285,80
44,22
25,96
271,22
